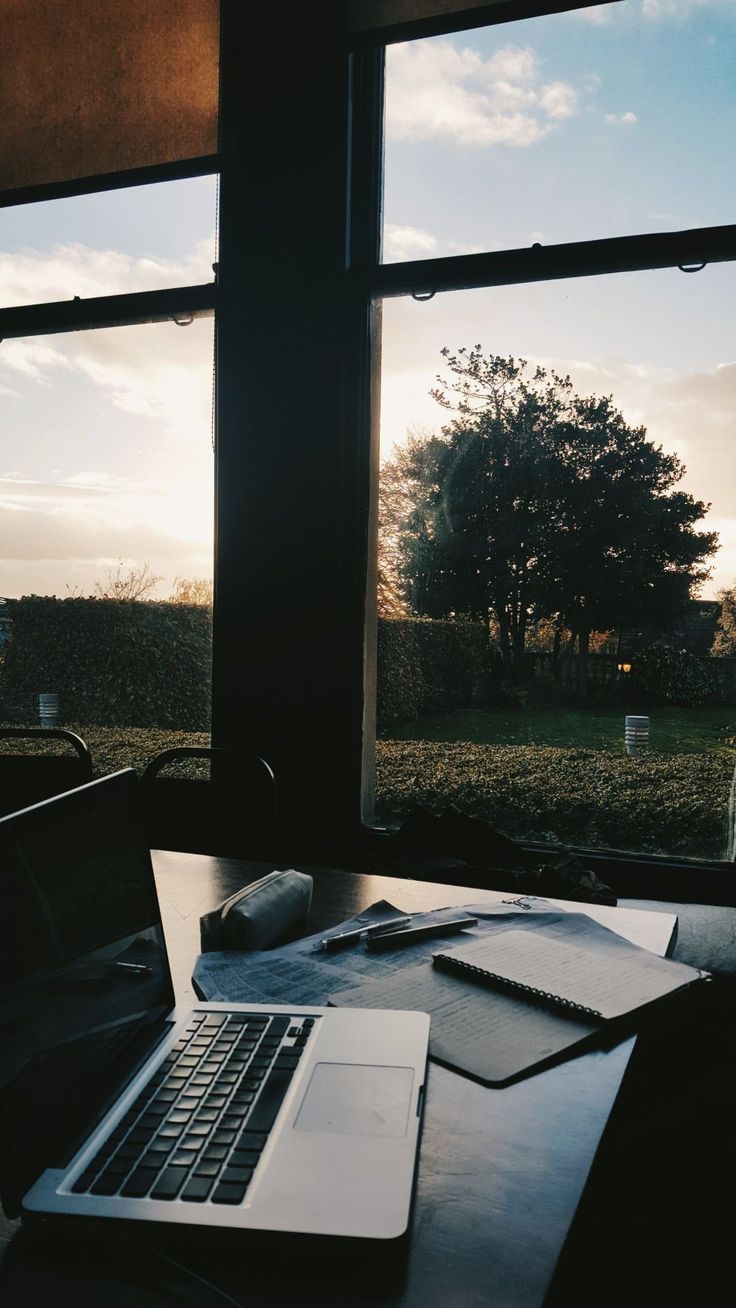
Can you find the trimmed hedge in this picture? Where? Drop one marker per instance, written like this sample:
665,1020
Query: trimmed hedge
113,662
424,665
664,804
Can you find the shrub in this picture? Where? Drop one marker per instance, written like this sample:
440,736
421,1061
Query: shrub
424,665
670,676
666,804
117,662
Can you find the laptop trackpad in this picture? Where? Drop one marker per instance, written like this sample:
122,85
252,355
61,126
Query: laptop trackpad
355,1099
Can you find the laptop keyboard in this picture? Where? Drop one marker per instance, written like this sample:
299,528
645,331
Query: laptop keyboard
197,1130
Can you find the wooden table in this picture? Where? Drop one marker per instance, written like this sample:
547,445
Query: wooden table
500,1176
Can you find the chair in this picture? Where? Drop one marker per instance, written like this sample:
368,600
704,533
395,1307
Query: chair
28,778
232,813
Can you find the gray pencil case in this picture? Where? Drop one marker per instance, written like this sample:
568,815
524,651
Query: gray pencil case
259,914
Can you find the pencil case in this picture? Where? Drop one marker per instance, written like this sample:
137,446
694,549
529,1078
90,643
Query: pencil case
259,914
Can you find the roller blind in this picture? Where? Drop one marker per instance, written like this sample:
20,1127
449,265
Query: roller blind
90,87
364,16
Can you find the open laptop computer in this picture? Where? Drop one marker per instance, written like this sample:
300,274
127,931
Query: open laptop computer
115,1105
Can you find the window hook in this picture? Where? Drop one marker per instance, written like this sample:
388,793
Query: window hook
692,267
184,322
421,296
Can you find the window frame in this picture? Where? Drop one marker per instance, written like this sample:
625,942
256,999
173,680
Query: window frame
658,877
297,302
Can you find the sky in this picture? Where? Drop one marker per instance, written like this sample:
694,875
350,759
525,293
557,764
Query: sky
609,121
106,436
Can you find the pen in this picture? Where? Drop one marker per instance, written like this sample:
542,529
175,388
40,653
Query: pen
395,939
358,933
136,969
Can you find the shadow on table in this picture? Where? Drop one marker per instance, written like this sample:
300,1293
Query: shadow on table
91,1265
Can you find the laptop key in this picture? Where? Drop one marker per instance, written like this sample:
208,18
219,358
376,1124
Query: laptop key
279,1025
252,1140
139,1182
206,1168
169,1183
106,1184
268,1103
237,1175
84,1181
197,1189
244,1157
229,1194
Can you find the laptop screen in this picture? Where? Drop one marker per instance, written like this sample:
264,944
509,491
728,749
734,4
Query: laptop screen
83,965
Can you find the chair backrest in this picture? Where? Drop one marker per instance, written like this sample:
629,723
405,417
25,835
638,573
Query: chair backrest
29,777
232,812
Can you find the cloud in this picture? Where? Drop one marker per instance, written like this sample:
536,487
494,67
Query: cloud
621,120
438,92
57,534
402,243
408,243
37,276
32,358
155,370
596,14
655,9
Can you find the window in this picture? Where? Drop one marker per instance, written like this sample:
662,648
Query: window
519,147
107,486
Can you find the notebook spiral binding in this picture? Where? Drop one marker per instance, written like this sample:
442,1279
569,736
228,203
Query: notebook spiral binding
545,996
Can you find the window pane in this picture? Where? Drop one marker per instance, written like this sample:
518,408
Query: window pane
141,238
106,494
602,122
546,562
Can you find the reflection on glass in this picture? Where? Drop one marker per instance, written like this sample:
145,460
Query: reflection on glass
83,964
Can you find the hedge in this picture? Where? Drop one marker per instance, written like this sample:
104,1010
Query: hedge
127,663
114,662
664,804
425,665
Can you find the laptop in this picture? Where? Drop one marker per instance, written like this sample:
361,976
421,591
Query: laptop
113,1104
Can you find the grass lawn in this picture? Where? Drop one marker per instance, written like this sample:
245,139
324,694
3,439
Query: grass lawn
667,803
113,748
671,730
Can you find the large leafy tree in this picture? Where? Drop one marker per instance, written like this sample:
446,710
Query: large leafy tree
537,502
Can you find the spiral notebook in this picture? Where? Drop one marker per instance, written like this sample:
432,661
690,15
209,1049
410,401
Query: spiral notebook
503,1006
565,976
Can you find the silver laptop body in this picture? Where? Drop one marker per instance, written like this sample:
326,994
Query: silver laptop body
279,1118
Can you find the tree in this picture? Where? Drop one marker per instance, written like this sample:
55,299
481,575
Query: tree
724,642
127,583
192,590
538,503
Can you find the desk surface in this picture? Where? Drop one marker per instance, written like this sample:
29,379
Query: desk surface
501,1172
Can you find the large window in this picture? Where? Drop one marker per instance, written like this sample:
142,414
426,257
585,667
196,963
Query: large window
107,483
557,538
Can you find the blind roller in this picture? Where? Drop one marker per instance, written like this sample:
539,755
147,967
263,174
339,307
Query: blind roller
102,86
364,16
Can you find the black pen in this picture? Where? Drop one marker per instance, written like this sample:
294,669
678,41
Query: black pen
396,939
330,943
